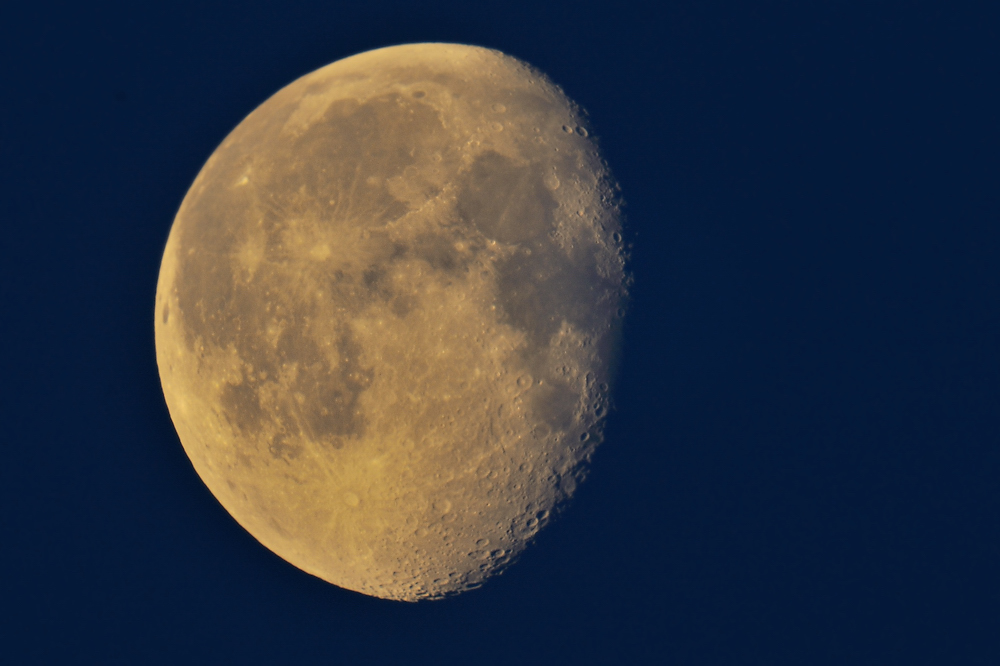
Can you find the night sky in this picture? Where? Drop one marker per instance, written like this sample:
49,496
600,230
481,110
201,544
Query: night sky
802,465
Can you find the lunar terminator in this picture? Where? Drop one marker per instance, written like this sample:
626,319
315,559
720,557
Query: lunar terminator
386,316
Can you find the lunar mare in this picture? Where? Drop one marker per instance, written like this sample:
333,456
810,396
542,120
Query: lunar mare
386,315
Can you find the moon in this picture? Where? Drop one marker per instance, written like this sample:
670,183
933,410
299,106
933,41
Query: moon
387,316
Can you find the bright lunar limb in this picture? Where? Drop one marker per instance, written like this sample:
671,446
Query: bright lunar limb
386,316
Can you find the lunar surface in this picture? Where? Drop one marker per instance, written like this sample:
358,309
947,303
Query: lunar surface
387,314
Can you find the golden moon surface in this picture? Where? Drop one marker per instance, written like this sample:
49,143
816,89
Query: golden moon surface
387,313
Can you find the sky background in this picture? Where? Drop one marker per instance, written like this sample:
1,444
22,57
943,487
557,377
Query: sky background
802,466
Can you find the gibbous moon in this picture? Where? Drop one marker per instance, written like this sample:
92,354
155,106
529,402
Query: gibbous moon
387,313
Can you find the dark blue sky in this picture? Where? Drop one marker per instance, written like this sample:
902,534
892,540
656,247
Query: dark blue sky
802,467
